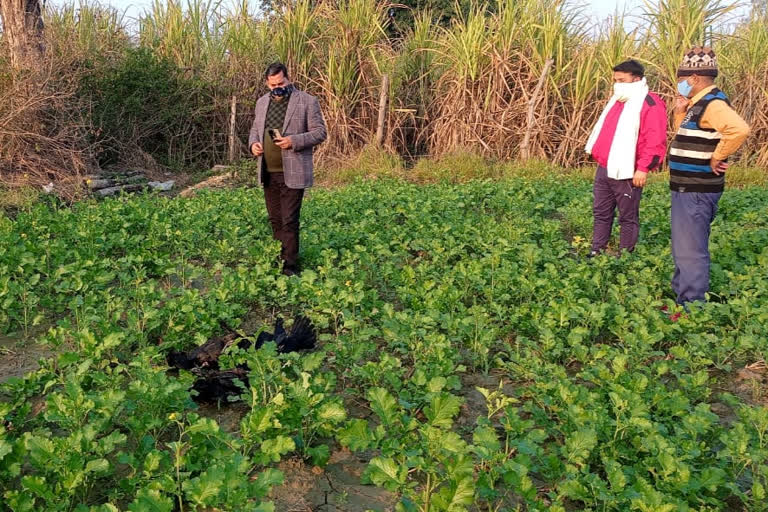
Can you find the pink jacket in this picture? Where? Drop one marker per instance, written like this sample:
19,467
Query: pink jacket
651,141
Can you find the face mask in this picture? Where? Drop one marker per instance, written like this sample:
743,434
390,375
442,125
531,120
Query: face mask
279,93
684,88
624,91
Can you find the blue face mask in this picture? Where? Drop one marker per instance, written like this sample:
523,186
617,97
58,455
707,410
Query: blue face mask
684,88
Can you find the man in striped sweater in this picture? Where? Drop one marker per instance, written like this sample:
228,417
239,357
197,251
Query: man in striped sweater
708,132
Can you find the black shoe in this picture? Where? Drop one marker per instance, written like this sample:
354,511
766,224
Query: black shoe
290,271
592,254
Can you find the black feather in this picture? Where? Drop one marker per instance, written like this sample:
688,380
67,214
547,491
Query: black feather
279,331
213,386
180,360
302,336
206,354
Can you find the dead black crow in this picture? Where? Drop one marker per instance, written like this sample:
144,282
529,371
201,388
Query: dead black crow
301,337
206,355
218,385
213,385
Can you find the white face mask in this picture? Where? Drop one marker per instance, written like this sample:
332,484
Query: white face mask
624,91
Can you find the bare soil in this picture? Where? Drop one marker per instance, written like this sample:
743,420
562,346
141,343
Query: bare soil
335,488
19,356
749,383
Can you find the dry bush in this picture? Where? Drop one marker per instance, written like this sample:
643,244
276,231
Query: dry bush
45,131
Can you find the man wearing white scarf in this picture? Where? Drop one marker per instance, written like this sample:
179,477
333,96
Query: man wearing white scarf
628,140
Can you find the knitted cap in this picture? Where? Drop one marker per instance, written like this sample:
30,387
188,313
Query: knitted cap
698,61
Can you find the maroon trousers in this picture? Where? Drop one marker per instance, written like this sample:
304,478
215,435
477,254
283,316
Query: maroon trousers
608,194
283,208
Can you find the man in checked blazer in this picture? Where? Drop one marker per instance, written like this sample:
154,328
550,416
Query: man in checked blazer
287,125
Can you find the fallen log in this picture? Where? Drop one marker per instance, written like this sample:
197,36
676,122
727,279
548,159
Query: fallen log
99,183
117,174
111,191
162,186
211,182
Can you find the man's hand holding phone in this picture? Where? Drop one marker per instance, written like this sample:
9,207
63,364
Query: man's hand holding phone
279,140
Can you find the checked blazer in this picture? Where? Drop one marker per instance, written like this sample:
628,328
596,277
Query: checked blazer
305,125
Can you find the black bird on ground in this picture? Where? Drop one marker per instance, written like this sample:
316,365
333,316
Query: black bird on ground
207,354
213,384
301,337
218,385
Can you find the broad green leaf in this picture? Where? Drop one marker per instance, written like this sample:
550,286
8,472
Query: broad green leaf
457,496
384,472
265,480
205,426
5,448
312,361
383,404
319,454
712,478
486,438
259,420
110,341
616,475
356,435
152,461
151,500
41,450
442,409
574,490
20,501
332,412
37,485
97,466
758,492
202,489
277,447
443,441
436,384
579,445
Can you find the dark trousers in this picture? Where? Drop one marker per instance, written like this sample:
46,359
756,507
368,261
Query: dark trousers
608,194
691,216
283,208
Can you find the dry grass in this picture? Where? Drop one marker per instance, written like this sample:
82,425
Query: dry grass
462,88
13,199
371,163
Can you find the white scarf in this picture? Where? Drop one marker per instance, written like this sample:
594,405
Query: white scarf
621,158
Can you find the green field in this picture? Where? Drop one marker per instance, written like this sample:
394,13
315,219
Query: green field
470,356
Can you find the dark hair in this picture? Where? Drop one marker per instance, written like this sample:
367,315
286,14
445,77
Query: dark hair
275,69
632,67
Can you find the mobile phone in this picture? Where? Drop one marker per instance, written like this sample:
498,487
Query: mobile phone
274,134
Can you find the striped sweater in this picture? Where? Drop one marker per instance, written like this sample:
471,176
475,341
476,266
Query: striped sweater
709,128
